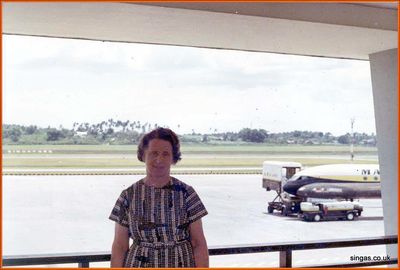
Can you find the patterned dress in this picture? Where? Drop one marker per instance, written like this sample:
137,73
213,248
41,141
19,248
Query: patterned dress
158,220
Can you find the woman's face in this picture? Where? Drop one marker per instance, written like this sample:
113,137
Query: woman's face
158,158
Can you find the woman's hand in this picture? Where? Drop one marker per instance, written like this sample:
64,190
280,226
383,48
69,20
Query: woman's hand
120,245
199,244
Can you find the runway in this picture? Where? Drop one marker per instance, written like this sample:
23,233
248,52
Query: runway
70,214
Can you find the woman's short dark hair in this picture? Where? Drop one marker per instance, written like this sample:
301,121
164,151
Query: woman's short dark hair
163,134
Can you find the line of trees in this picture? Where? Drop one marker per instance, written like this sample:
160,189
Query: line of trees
127,132
105,132
292,137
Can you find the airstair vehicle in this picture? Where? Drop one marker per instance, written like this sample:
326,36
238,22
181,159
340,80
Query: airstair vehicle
275,176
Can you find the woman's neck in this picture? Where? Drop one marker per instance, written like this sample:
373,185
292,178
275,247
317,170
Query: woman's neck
157,181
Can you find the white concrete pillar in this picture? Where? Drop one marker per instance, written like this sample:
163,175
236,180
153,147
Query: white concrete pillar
385,93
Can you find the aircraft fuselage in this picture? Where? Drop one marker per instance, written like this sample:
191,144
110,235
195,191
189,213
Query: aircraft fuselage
346,181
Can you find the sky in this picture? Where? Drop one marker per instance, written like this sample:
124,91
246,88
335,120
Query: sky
53,82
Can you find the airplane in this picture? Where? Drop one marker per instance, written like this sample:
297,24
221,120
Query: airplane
336,181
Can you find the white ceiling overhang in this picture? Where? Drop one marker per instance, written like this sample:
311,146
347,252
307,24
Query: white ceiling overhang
328,30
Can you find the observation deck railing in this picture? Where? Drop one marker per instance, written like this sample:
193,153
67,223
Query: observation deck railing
285,253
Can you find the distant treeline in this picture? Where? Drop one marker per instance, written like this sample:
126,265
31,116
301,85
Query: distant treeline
126,132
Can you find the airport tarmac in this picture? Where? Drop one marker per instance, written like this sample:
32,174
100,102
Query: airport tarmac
69,214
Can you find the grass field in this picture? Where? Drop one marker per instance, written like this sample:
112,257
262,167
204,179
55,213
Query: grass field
194,156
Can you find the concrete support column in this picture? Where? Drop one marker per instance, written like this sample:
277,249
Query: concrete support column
385,93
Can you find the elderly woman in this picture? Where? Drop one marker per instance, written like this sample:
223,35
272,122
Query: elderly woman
161,214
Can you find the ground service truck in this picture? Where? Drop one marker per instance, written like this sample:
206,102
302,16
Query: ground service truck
329,210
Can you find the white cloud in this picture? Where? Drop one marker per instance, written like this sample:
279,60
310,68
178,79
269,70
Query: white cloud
60,81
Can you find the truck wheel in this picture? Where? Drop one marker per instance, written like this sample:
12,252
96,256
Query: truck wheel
317,217
284,211
270,209
350,216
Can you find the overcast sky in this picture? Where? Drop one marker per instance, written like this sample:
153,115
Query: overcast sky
55,82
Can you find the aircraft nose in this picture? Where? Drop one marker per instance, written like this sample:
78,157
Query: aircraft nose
291,188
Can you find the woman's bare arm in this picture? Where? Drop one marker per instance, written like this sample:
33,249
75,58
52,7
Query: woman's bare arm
199,244
120,245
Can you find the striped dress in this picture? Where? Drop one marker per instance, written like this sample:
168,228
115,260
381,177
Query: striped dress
158,220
